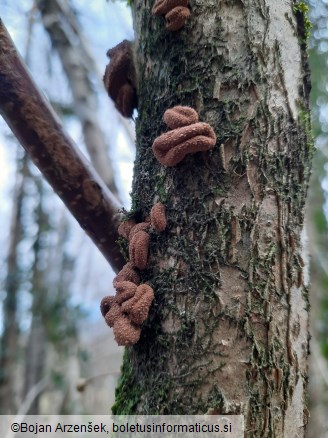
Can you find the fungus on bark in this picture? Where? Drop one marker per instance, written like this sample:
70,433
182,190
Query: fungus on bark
125,227
129,308
158,217
137,307
176,12
113,314
106,304
138,249
134,301
127,311
171,147
127,273
180,116
142,226
124,291
125,332
120,78
129,228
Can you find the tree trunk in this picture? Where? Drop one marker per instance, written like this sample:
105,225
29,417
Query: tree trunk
10,333
318,247
36,347
79,68
229,326
35,360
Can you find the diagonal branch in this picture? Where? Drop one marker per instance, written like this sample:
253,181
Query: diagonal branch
39,131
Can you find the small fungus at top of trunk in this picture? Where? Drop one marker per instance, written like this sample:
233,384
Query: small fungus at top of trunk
119,78
175,12
180,116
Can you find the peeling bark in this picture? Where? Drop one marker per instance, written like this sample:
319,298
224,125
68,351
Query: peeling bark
38,129
229,328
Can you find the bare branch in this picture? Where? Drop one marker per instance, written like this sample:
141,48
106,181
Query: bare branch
40,132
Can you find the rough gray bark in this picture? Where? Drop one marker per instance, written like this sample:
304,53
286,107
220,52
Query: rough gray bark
229,327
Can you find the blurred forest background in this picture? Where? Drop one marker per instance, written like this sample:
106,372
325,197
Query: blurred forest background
56,353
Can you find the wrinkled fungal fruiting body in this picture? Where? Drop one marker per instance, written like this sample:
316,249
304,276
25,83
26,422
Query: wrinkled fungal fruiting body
180,116
137,308
125,332
125,227
175,12
158,217
113,314
127,273
127,311
142,226
124,291
120,78
106,304
171,147
138,249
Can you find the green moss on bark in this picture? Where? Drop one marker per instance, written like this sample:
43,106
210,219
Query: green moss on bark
229,256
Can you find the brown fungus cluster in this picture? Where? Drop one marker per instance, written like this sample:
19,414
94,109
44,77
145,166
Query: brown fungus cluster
187,136
129,308
127,273
119,78
142,226
125,227
137,307
175,12
125,332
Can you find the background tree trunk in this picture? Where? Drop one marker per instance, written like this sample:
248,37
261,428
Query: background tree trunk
10,334
36,346
80,69
229,326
